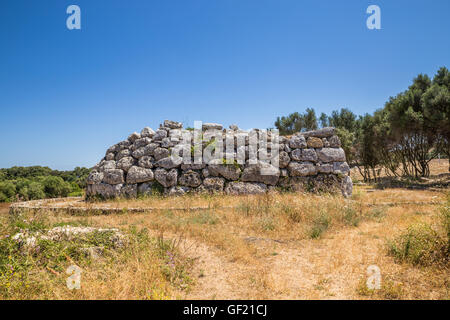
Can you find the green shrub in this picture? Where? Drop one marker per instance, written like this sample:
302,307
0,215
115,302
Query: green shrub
56,187
419,245
7,191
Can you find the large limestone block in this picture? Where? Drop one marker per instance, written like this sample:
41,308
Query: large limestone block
172,124
166,178
213,184
211,126
138,175
94,177
190,179
169,162
228,171
302,169
245,188
147,132
113,176
125,163
297,142
284,159
314,142
261,172
341,168
331,154
321,133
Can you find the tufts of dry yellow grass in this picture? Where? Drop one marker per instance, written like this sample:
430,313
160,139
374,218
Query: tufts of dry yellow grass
273,246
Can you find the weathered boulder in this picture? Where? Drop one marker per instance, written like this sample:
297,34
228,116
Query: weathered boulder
172,124
213,184
325,167
228,171
314,142
147,132
166,178
125,163
129,191
284,159
211,126
145,189
160,153
146,162
235,188
159,135
341,168
108,165
321,133
177,191
95,177
122,154
334,141
331,154
104,190
297,142
137,175
190,179
302,168
169,162
133,137
261,172
347,187
192,166
113,176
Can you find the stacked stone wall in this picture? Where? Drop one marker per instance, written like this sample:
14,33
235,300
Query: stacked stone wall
175,161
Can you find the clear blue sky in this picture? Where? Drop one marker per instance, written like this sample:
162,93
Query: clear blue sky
65,96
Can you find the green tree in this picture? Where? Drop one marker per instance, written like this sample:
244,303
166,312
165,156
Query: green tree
296,122
7,191
56,187
36,191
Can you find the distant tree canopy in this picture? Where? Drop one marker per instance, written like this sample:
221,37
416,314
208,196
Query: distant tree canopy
401,138
296,122
31,183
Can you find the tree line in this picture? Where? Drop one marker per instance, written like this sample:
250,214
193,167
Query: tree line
36,182
401,138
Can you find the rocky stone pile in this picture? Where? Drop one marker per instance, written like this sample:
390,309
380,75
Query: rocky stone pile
174,161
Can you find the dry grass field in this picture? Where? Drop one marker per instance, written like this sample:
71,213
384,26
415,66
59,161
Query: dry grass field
274,246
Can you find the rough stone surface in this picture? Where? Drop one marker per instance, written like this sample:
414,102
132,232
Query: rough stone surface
147,132
190,179
146,162
331,154
166,178
334,142
211,126
113,176
284,159
228,171
172,124
125,163
347,187
302,169
306,161
137,175
213,184
321,133
297,142
314,142
245,188
261,172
